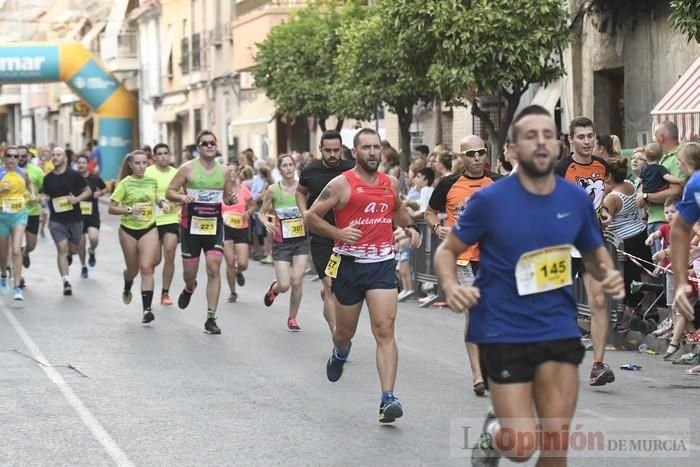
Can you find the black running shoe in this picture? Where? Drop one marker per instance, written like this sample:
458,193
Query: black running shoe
240,279
210,326
91,259
148,316
22,283
183,300
26,262
67,289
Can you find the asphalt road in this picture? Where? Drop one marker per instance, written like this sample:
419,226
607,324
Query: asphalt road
83,383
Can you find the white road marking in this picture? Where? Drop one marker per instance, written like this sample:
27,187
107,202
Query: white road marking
84,413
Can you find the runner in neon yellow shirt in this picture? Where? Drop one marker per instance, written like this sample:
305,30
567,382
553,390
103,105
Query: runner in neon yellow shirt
166,222
134,199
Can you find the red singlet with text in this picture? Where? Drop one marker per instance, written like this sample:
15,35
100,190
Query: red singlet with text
370,209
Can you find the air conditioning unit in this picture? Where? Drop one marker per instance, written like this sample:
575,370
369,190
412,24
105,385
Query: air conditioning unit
247,81
215,36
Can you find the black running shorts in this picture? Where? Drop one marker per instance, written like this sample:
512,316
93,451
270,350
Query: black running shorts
517,363
355,279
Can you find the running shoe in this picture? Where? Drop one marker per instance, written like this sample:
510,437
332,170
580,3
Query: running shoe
601,374
689,358
165,300
210,326
127,296
4,286
70,259
184,299
84,272
334,366
67,289
483,453
26,262
18,294
292,325
240,279
91,258
22,283
148,316
232,297
270,295
267,259
389,410
663,327
405,294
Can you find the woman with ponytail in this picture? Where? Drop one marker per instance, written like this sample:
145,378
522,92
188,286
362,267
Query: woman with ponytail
134,199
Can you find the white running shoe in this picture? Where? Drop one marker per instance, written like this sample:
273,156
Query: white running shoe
663,327
18,294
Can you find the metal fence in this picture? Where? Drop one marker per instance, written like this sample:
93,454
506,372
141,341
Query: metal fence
423,268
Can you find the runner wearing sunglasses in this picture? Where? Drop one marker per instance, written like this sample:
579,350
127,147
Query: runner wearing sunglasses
14,184
201,185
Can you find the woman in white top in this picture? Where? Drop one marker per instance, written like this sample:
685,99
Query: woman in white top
626,223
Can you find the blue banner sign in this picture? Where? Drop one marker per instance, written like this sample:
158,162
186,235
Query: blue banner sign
28,64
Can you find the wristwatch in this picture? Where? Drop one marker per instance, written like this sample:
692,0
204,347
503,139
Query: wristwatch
128,210
645,196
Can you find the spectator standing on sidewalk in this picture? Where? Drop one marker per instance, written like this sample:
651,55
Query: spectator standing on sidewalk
452,196
666,136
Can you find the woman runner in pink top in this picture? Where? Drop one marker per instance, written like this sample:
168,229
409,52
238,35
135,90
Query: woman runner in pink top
236,233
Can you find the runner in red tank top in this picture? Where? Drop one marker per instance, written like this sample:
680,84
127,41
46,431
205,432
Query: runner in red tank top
366,205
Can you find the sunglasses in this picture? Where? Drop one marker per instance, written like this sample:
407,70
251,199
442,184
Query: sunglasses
11,156
474,153
208,144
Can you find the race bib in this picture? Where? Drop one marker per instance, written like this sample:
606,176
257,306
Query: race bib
203,225
13,204
293,228
86,208
543,270
332,266
61,204
146,214
233,220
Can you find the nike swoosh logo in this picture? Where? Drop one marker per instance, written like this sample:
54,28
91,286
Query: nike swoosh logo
562,216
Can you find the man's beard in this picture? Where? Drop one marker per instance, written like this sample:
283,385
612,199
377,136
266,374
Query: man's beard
529,167
365,165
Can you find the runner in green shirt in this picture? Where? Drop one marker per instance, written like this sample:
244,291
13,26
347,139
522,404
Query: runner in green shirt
36,176
166,222
134,199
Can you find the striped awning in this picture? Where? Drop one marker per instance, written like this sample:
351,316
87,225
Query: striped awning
681,104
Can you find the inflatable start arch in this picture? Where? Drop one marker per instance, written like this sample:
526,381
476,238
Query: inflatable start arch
115,107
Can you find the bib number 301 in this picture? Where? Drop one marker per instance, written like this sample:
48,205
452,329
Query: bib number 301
203,225
544,270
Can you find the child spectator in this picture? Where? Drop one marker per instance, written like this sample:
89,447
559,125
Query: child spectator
655,177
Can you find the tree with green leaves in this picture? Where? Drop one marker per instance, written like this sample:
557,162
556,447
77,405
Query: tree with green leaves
373,70
482,49
685,17
295,63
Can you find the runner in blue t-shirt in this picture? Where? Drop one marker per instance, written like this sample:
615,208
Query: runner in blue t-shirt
522,307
